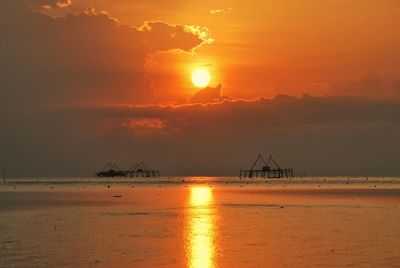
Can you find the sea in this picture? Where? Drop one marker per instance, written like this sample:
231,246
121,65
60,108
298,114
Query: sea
200,222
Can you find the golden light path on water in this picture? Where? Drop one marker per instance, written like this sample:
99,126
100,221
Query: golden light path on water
201,228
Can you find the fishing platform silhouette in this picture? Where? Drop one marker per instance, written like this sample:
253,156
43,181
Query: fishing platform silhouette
266,169
140,169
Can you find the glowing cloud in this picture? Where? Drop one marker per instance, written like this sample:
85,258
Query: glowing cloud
48,4
220,11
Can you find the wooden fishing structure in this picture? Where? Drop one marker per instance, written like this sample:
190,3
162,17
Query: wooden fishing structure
140,169
110,170
266,169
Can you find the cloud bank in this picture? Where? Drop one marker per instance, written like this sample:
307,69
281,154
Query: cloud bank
320,135
86,57
281,111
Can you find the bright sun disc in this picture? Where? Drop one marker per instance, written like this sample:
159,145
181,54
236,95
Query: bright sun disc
201,77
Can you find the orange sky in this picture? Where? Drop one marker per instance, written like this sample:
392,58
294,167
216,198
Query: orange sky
308,81
263,48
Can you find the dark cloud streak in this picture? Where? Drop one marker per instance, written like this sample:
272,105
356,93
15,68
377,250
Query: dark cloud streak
284,111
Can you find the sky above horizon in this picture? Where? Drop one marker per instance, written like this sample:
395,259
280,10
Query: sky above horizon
84,82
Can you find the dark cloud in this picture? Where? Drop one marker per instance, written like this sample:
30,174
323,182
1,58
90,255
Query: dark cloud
320,135
370,86
209,94
87,57
281,111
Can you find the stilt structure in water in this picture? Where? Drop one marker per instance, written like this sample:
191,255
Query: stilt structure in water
142,170
266,169
110,170
139,169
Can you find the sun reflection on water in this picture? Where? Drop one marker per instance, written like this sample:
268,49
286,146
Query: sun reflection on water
201,228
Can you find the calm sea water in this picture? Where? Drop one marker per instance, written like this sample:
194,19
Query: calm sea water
326,181
200,222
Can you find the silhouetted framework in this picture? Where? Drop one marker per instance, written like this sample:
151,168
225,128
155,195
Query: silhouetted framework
269,169
142,170
110,170
139,169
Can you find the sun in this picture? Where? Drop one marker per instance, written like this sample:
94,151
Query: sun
201,77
